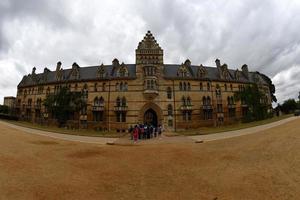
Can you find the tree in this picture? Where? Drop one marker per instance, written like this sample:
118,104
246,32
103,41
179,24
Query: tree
251,96
4,109
271,86
289,106
63,104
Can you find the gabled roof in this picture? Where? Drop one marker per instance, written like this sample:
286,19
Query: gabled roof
86,74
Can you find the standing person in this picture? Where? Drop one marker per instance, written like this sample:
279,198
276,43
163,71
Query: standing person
142,132
155,131
135,133
159,130
130,131
145,131
150,131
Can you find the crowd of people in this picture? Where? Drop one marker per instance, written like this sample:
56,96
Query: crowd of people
144,131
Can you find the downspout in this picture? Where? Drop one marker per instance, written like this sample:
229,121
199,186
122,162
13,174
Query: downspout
174,108
108,119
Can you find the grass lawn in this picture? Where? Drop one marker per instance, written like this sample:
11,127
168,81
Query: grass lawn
211,130
82,132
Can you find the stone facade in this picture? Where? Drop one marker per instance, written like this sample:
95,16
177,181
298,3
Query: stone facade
119,95
9,101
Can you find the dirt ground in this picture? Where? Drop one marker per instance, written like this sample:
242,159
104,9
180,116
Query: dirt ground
256,166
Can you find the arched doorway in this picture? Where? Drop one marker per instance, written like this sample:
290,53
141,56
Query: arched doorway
150,117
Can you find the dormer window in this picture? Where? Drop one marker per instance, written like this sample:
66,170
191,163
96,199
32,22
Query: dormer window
122,71
183,71
101,73
201,72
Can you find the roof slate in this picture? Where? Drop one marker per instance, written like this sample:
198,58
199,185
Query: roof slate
170,72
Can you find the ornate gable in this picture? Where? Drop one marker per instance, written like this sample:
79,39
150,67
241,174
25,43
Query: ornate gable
224,73
101,72
201,73
75,71
149,42
45,75
237,74
149,51
122,71
183,71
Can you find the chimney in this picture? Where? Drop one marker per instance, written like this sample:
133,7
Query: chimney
218,63
58,65
187,63
115,62
245,70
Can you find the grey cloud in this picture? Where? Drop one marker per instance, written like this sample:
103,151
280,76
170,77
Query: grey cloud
262,34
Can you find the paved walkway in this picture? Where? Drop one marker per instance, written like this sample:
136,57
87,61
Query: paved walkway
163,139
246,131
74,138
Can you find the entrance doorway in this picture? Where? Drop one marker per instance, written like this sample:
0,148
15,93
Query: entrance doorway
150,117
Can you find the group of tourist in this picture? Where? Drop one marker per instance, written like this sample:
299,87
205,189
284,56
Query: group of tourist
144,131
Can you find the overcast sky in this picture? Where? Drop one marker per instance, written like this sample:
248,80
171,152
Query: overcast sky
263,34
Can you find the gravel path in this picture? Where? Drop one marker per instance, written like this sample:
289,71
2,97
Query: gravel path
246,131
162,140
74,138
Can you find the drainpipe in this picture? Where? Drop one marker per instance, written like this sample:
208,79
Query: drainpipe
108,119
174,108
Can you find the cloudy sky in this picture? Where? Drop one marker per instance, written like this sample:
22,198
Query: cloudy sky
263,34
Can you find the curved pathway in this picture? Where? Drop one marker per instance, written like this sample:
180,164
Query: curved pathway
163,139
61,136
245,131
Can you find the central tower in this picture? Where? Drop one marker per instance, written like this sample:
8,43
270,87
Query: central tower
149,62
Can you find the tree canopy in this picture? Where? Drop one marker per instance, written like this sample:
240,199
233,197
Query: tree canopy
251,96
64,103
288,106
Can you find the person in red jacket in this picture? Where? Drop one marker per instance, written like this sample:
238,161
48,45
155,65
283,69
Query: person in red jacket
135,134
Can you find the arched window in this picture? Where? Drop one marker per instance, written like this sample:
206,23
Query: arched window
47,91
125,86
228,101
204,102
121,86
201,86
96,101
95,87
118,102
184,86
169,93
117,87
208,100
85,91
103,87
123,101
183,100
188,101
208,86
218,90
188,86
225,86
180,86
101,101
231,88
170,110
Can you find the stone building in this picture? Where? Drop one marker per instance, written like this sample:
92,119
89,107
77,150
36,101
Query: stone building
178,96
9,101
